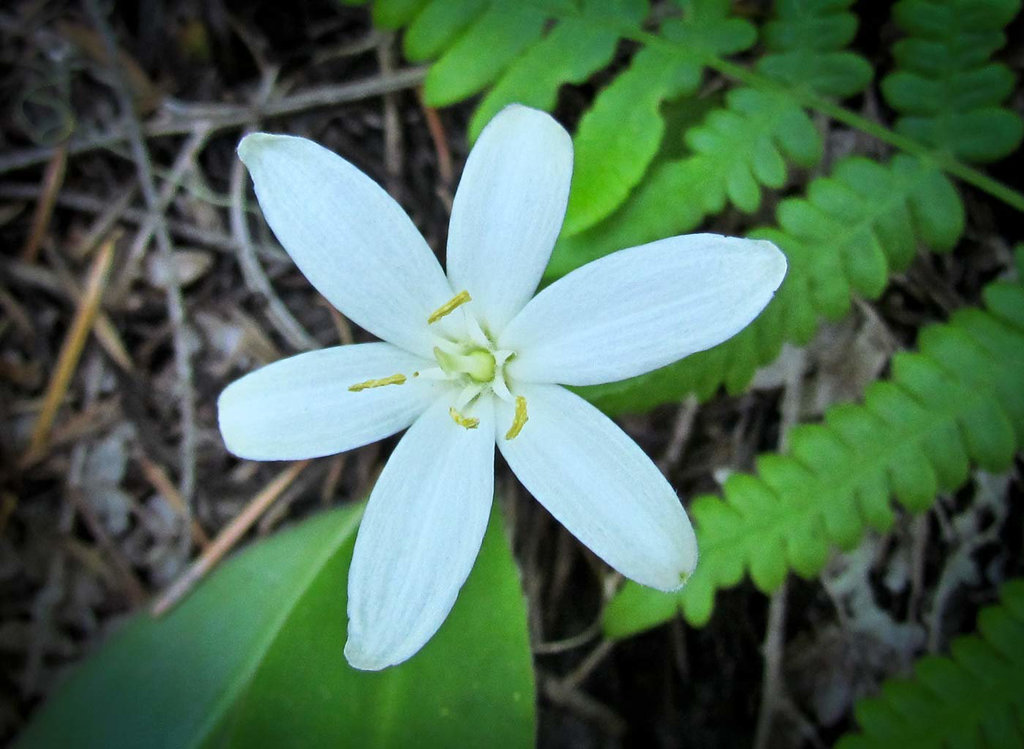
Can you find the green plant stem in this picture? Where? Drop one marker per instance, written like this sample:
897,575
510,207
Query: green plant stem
811,100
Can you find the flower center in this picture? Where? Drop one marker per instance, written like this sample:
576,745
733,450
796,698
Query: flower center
472,364
477,363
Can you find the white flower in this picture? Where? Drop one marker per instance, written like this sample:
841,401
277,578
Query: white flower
470,360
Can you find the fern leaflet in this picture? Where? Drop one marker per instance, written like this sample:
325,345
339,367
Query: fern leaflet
946,89
852,231
956,401
972,698
806,47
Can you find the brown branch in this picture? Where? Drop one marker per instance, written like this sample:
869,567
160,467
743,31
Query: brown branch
70,351
175,305
180,118
227,538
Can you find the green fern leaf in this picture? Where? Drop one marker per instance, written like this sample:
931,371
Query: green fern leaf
852,231
972,698
736,150
955,402
620,135
805,44
946,89
504,30
393,14
572,51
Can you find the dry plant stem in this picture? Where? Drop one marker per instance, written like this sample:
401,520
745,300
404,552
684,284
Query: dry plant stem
84,203
227,538
918,558
162,484
110,215
179,118
588,664
106,332
183,164
566,691
70,351
772,687
392,124
585,706
255,279
681,428
334,471
436,130
175,305
52,592
92,375
569,643
16,314
130,582
340,323
93,419
53,179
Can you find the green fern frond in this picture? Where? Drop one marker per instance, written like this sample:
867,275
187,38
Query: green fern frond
972,698
955,402
572,51
852,231
735,151
621,134
946,89
806,44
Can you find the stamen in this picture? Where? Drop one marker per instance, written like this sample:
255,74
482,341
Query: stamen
520,419
395,379
466,422
445,309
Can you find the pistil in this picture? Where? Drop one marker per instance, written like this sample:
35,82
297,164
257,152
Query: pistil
478,363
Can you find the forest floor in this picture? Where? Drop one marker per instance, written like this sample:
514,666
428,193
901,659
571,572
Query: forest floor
114,475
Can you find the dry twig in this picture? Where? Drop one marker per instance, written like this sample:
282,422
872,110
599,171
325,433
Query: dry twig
53,179
175,305
227,538
180,118
70,351
255,279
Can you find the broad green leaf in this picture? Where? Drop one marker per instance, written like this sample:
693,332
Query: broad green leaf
254,658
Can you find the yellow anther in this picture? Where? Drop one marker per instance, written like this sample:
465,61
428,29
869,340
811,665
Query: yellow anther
466,422
456,301
520,420
395,379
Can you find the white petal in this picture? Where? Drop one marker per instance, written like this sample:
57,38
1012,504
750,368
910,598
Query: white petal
350,239
422,531
600,485
302,407
642,308
508,211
